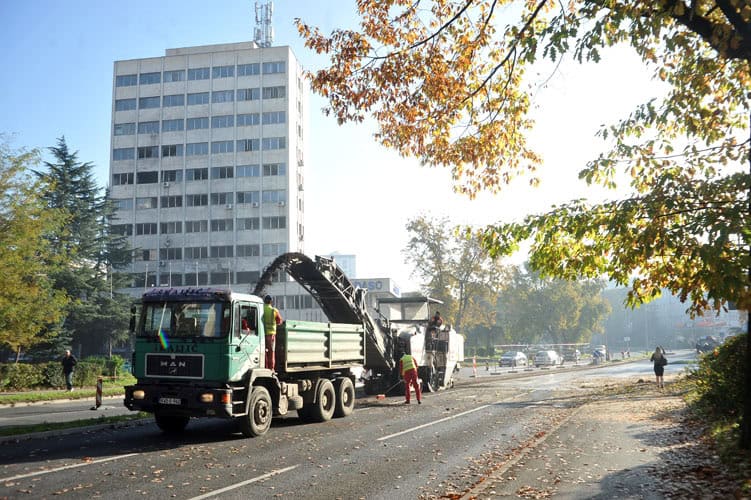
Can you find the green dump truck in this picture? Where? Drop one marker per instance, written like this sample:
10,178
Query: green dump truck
199,353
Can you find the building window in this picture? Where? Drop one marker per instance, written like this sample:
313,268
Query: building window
172,175
197,123
149,78
273,249
221,198
244,197
125,104
199,74
197,200
198,98
248,276
197,174
148,102
173,125
173,100
174,76
248,119
171,227
123,204
223,96
248,69
248,145
274,196
123,154
122,179
248,171
221,251
171,150
273,67
221,225
220,147
146,203
274,222
122,229
222,71
148,152
196,226
271,143
248,223
273,169
196,253
170,254
222,172
147,254
248,94
248,250
222,121
126,80
148,128
147,177
146,228
125,129
274,117
274,92
197,148
171,202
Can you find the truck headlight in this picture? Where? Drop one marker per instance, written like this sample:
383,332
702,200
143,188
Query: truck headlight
207,397
139,394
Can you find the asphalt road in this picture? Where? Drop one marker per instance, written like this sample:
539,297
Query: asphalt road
384,450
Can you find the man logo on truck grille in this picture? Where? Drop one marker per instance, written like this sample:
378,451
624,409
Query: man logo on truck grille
186,366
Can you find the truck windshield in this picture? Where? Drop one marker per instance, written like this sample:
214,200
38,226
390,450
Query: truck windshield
185,320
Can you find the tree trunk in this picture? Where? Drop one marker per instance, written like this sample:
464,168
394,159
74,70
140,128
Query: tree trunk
745,443
18,354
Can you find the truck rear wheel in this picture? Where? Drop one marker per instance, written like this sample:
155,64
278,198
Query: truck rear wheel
260,412
171,424
345,397
323,409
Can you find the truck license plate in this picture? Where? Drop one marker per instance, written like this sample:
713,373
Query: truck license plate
170,401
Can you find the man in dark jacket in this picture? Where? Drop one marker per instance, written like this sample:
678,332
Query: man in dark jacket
69,362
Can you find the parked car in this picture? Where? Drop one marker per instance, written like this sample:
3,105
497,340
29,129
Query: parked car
573,356
548,358
513,358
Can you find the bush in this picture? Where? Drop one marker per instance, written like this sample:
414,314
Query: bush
17,376
87,372
53,374
720,380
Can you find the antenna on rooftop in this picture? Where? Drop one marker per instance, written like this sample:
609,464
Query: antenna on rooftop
264,33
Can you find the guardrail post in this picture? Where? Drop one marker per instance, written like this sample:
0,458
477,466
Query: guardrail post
98,392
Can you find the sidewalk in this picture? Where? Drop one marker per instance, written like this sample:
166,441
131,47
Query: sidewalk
636,446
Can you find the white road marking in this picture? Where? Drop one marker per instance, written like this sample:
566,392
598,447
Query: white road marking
243,483
433,422
66,467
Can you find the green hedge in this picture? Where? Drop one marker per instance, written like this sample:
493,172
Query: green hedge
20,376
719,380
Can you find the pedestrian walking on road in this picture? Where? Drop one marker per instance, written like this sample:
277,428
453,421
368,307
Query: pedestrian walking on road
659,360
69,362
408,368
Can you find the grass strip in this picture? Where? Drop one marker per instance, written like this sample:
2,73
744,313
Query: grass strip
52,426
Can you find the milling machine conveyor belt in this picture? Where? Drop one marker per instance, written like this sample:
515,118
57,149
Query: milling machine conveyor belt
340,301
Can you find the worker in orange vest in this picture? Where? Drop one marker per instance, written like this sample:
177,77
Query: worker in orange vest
408,368
271,318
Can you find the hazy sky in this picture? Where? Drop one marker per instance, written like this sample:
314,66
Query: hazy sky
57,57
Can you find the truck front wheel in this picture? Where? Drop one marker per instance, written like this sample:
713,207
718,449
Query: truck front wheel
323,409
345,397
171,424
260,412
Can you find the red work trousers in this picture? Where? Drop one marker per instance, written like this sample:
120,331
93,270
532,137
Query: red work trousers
410,377
270,347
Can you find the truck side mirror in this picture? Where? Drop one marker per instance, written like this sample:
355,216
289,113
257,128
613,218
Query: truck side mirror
132,326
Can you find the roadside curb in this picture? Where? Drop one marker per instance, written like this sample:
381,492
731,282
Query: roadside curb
56,401
74,430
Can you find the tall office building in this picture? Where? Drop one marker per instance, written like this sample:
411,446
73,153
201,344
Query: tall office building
207,165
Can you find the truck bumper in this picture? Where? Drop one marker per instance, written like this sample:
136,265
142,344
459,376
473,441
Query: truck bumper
178,400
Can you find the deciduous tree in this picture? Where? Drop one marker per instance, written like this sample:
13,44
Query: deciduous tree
448,82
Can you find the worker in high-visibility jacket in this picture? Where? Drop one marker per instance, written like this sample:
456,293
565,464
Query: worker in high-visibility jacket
408,368
271,318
